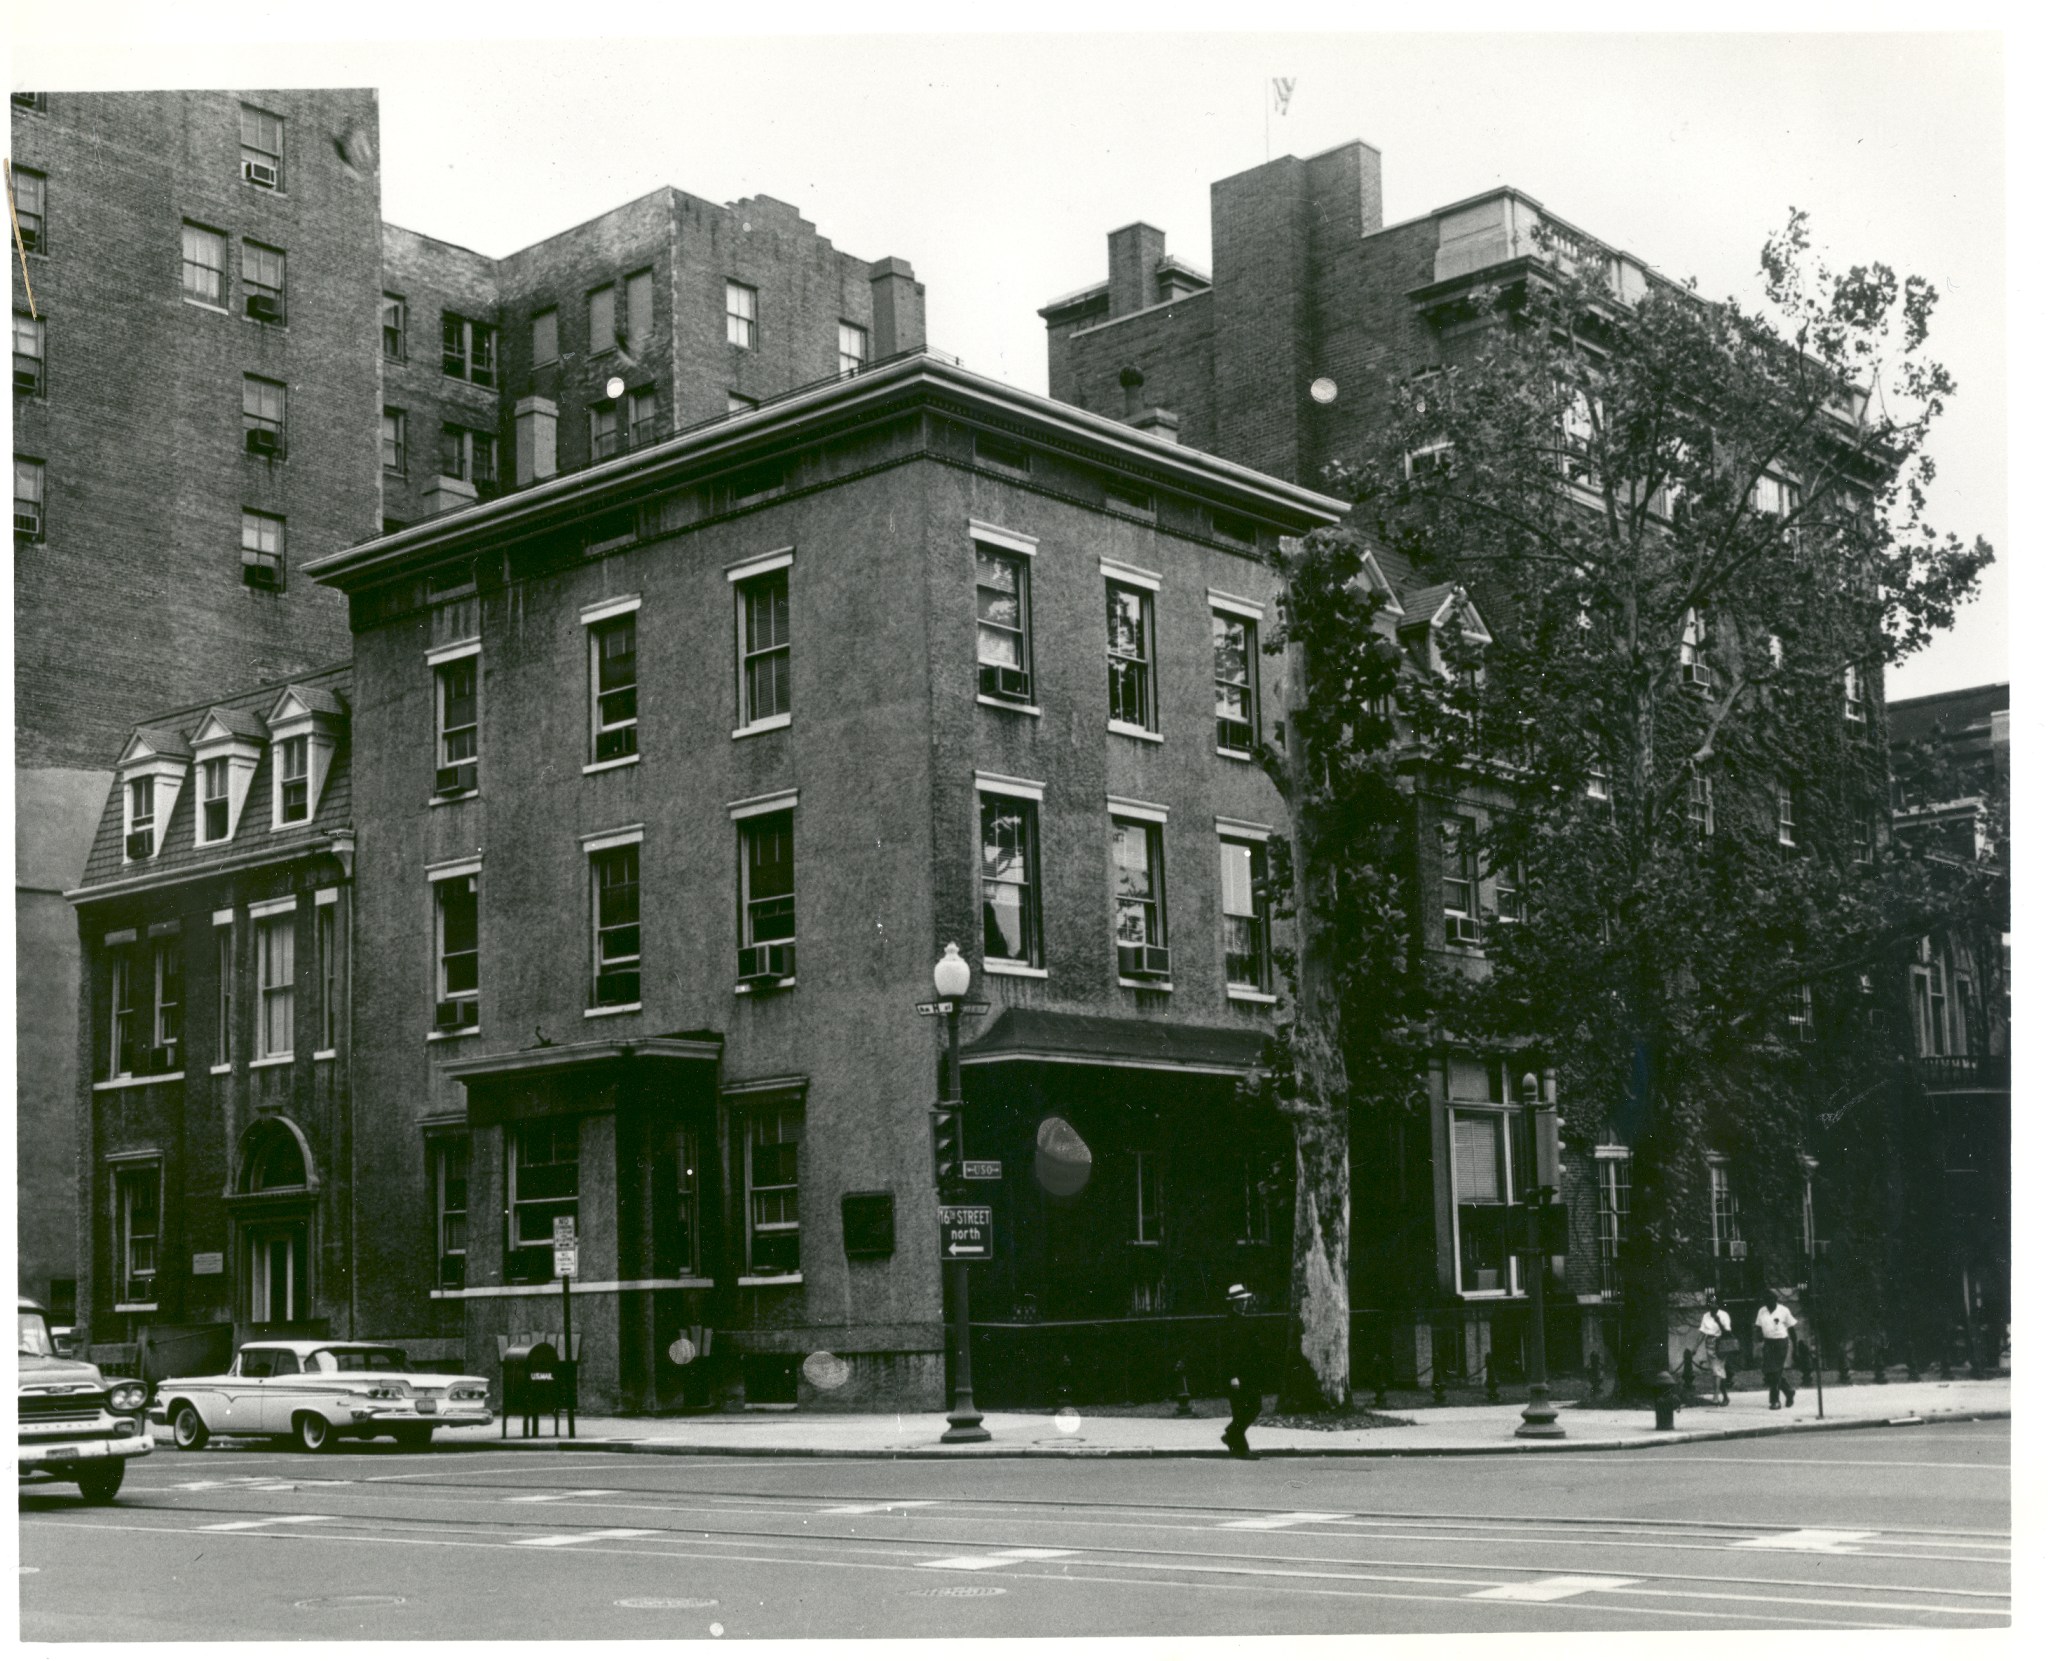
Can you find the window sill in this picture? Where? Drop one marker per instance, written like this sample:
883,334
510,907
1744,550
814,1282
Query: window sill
616,761
1234,755
1482,1297
459,796
772,1280
205,305
601,1010
279,827
324,1055
130,1081
1008,704
270,1061
747,988
134,1309
220,1067
774,723
1125,729
1247,995
1145,985
1021,971
438,1036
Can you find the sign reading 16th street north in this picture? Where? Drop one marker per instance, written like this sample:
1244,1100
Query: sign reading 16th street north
966,1233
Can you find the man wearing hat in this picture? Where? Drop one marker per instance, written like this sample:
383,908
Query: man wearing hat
1242,1370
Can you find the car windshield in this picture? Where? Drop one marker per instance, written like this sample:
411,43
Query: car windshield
359,1360
35,1334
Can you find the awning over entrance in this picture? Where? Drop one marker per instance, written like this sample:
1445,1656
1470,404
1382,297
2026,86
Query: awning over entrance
546,1079
1114,1041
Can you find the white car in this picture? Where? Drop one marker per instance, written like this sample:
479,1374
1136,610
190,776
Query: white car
315,1390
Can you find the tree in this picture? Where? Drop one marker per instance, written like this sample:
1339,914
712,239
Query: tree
1698,534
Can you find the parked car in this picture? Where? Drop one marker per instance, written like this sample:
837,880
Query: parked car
73,1424
313,1391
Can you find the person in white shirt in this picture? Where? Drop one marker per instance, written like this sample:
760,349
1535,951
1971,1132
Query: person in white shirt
1774,1324
1715,1325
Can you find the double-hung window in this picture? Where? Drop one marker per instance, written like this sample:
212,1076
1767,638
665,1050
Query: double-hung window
1788,813
767,880
614,689
451,1210
276,943
138,1207
205,272
167,973
601,311
30,336
774,1141
224,994
1852,694
262,148
392,441
853,348
455,716
1461,882
1148,1224
292,759
639,311
123,1027
1234,638
1002,630
546,336
141,841
327,951
604,429
1725,1214
740,315
763,600
1799,1025
1247,929
1510,893
678,1227
470,455
263,282
541,1184
615,924
455,940
1139,875
262,549
1693,670
1699,805
1011,932
28,500
469,349
29,197
1131,686
1611,1174
263,417
643,417
1482,1146
391,320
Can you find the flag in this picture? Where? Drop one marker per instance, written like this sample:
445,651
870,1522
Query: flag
1283,91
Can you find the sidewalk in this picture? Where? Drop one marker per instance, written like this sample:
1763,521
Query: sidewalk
1079,1434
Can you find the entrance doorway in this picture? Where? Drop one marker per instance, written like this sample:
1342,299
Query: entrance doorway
277,1273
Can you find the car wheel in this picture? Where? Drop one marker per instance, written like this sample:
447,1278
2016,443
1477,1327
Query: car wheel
314,1433
100,1481
188,1430
414,1438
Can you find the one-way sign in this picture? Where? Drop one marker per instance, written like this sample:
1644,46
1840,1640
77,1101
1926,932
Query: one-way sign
946,1006
966,1233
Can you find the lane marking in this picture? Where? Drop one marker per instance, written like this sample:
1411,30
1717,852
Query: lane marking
1290,1519
1841,1542
570,1494
999,1559
593,1534
260,1522
871,1509
1554,1588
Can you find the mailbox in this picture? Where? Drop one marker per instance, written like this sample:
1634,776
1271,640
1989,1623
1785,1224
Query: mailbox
533,1386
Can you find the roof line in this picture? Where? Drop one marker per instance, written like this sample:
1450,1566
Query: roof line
247,692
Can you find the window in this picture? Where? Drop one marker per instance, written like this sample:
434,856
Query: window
1699,805
167,972
1140,895
1510,902
1264,1192
739,315
774,1136
262,148
1611,1175
1600,784
1480,1158
615,914
1235,641
615,689
1130,656
1002,608
1232,527
639,310
122,1028
1692,642
262,549
455,699
1247,929
604,329
1576,425
469,350
263,282
263,417
540,1185
1774,497
142,817
1929,977
1726,1220
292,757
678,1235
546,336
392,317
206,266
1799,1014
1006,454
394,441
1149,1223
643,416
1788,818
455,930
324,953
764,647
224,995
1010,926
451,1210
137,1220
28,210
768,878
604,429
1461,882
28,500
470,455
276,938
1852,693
30,336
853,348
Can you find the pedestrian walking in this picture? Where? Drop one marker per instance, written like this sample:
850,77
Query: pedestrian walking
1774,1324
1718,1345
1243,1368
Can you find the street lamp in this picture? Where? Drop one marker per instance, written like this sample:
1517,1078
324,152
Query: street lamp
1539,1418
951,976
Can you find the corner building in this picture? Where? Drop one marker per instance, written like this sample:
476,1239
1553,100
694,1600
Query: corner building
688,764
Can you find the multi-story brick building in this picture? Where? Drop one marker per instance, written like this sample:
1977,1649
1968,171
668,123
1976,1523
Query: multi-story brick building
686,766
224,363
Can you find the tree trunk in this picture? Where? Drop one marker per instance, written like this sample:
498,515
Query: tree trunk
1318,1374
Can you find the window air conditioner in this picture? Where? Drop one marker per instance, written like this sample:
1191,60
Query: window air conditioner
28,381
262,571
1461,931
615,742
998,681
265,308
263,441
260,173
617,986
28,524
141,844
453,1014
1697,674
1233,735
454,781
770,962
162,1059
1143,962
1738,1250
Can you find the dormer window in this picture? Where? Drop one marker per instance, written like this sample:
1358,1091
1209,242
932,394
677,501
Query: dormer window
305,727
292,806
228,745
152,769
213,800
142,815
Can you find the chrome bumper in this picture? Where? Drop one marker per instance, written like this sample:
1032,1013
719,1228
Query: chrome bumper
47,1453
391,1417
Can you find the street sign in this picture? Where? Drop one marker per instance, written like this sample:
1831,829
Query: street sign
981,1170
966,1233
565,1248
946,1006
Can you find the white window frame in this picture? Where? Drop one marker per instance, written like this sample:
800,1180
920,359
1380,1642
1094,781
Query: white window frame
443,879
596,621
1511,1276
1028,797
1787,803
1260,916
1723,1202
780,1112
1148,1220
224,992
853,348
744,576
1015,552
1613,1179
516,1135
1225,610
1143,664
742,315
276,921
198,242
443,1149
595,847
294,753
136,1292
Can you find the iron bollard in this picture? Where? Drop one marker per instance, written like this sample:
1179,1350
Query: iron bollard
1184,1407
1492,1382
1436,1384
1379,1384
1877,1358
1685,1375
1594,1376
1666,1399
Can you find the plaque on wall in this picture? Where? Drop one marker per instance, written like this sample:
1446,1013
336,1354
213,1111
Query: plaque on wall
209,1263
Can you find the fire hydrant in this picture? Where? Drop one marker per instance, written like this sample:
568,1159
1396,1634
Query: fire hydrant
1666,1400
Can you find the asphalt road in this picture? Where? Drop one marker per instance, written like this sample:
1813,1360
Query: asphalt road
1906,1527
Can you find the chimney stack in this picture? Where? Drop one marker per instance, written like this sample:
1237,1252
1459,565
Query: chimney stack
898,308
533,439
1134,256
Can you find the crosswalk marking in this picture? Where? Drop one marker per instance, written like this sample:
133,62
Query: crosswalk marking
1289,1519
592,1534
1842,1542
1006,1558
1553,1587
258,1522
869,1510
571,1494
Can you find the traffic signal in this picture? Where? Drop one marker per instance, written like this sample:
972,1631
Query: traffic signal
946,1147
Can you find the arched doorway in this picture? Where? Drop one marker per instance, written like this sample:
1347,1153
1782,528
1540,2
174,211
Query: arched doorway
275,1185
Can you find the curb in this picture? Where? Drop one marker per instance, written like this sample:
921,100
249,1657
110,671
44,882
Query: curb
701,1450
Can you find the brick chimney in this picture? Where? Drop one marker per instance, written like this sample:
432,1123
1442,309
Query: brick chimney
898,307
445,495
533,440
1134,256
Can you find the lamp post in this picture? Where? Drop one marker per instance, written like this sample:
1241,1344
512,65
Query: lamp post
951,976
1539,1418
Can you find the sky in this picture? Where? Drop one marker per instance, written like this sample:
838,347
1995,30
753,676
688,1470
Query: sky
996,164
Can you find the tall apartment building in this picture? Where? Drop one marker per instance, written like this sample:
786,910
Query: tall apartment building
226,364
